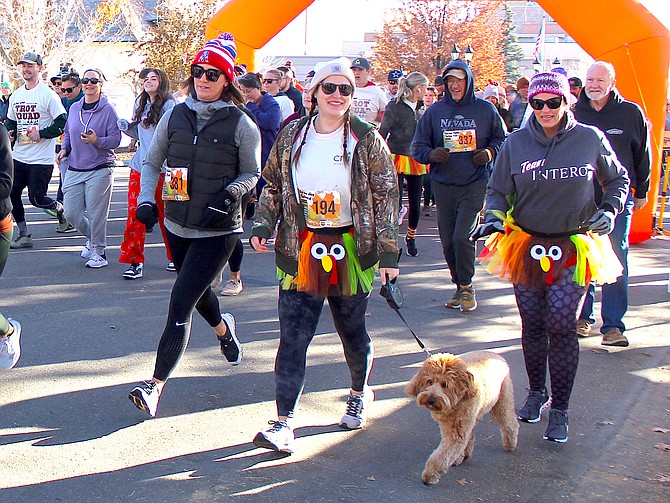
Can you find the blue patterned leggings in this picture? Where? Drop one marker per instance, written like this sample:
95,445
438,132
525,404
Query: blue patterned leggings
549,323
299,314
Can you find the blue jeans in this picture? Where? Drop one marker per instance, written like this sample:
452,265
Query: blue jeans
615,295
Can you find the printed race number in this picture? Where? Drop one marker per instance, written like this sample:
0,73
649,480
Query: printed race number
460,141
175,187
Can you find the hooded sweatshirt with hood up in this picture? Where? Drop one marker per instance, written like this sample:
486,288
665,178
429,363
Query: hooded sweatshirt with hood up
551,181
465,115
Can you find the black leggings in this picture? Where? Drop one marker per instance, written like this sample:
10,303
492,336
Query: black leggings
549,324
235,260
414,184
198,261
299,314
36,177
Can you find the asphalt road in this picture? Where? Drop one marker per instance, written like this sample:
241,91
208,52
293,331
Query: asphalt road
68,432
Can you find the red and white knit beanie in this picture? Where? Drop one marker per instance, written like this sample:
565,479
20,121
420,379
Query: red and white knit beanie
220,53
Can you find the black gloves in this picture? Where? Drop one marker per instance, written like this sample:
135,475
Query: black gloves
482,156
147,213
602,221
491,225
440,154
219,208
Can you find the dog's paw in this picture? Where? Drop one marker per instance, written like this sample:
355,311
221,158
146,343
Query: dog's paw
430,478
459,460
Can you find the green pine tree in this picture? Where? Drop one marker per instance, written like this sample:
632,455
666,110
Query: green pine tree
511,49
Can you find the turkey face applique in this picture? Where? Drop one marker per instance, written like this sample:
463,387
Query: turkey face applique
328,258
547,257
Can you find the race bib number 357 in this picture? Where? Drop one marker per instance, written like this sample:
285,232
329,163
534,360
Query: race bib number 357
464,140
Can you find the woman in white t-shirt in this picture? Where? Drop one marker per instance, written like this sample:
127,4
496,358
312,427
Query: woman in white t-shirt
332,187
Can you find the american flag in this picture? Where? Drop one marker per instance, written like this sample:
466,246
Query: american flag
538,51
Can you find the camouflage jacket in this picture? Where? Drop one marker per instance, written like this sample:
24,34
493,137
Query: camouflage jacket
374,199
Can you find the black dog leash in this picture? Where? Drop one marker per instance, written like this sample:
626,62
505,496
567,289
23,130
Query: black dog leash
394,298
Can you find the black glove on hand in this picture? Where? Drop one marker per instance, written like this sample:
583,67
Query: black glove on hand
602,222
440,154
223,203
147,213
482,157
491,225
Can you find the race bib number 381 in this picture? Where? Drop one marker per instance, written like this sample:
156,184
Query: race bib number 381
464,140
175,187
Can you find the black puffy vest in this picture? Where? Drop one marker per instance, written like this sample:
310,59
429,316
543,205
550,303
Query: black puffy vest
211,157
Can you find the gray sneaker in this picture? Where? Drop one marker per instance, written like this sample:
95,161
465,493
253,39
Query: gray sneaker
279,437
557,430
532,408
10,347
22,241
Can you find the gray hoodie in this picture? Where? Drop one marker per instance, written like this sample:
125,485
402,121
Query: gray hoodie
551,181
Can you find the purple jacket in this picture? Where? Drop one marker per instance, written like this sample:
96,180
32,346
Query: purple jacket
101,119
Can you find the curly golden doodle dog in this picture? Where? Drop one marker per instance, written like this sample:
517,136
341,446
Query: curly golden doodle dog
458,391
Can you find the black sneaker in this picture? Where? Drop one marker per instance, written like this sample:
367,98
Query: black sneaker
230,346
557,430
411,247
532,408
135,271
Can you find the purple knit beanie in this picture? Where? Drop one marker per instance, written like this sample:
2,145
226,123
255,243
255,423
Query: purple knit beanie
551,82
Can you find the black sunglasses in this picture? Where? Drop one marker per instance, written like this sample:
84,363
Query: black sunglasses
67,89
330,88
269,81
212,74
393,82
552,103
93,81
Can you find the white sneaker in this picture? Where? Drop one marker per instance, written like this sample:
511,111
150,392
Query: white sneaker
145,397
232,287
355,416
10,347
401,214
88,251
279,437
97,261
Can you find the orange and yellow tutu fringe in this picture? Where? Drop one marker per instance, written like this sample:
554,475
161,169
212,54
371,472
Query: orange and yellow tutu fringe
508,256
405,165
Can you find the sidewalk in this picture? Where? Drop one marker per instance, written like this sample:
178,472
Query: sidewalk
69,433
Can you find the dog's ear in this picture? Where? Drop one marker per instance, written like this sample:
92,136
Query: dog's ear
470,389
413,387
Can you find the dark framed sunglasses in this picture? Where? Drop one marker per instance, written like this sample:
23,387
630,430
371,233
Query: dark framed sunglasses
269,81
393,82
552,103
212,74
331,87
93,81
67,89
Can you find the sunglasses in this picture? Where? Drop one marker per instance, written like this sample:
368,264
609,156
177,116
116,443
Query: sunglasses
552,103
93,81
269,81
67,89
393,82
330,88
212,74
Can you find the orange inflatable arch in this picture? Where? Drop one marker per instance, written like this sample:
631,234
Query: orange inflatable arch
622,32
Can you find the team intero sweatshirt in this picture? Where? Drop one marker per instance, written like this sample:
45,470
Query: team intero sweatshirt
625,127
551,181
448,115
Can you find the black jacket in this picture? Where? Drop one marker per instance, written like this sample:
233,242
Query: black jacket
6,173
625,127
212,161
398,125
